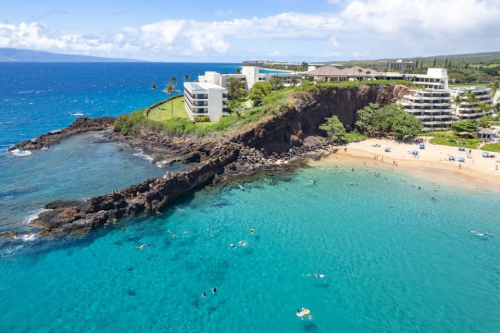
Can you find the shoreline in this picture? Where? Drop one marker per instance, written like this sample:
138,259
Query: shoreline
431,165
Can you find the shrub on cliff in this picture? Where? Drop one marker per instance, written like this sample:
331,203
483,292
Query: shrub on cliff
334,129
390,119
128,123
202,119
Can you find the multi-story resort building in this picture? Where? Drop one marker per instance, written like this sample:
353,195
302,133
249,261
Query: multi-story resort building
431,106
398,65
436,78
205,99
468,109
249,75
333,74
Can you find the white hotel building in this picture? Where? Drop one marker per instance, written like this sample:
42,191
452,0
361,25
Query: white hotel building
208,96
205,99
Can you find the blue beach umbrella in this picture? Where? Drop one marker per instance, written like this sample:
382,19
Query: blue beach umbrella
461,159
452,158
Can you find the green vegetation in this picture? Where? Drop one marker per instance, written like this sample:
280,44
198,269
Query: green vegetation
334,129
390,119
235,88
354,136
276,83
465,126
258,92
159,116
202,119
492,147
163,112
449,139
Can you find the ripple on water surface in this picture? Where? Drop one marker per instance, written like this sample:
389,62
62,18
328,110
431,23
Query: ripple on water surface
388,268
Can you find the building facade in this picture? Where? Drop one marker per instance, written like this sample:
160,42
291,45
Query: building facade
468,109
431,106
205,99
249,76
334,74
398,65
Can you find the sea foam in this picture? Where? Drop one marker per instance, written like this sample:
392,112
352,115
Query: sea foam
20,152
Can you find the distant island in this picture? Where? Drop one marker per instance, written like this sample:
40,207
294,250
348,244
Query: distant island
17,55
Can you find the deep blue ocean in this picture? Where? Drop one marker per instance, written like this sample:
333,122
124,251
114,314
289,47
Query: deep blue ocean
408,266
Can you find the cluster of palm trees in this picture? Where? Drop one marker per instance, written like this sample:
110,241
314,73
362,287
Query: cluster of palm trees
169,89
471,99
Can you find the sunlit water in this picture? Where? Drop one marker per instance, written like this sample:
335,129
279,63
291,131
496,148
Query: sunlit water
388,266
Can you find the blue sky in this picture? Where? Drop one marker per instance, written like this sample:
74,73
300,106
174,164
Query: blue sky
220,31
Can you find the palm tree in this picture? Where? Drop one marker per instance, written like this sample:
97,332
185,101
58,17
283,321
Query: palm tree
359,73
238,70
169,90
293,81
186,78
457,100
385,72
494,87
153,87
484,107
304,66
174,80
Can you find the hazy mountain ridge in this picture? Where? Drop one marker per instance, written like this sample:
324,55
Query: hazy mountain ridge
18,55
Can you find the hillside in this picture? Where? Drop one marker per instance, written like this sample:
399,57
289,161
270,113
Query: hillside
486,58
17,55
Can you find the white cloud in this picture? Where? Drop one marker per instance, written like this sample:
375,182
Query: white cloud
384,27
208,43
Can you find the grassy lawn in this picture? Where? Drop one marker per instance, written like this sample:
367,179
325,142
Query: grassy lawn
163,112
459,85
492,147
448,139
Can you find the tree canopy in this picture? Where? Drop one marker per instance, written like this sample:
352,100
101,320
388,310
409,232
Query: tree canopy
467,125
334,129
388,119
259,91
235,88
276,83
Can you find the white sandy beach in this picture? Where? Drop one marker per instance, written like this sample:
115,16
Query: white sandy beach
431,163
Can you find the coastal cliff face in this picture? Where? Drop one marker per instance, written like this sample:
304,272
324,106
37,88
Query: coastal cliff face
302,119
291,128
81,125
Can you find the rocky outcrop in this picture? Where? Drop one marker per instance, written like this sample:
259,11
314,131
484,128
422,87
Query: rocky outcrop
302,119
80,125
272,145
150,196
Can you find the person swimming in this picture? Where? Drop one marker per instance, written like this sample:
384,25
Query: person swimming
316,275
232,245
242,243
149,246
306,312
185,232
300,314
214,290
203,295
140,247
252,230
168,231
174,236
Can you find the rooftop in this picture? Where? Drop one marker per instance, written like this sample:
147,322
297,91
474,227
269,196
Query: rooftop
202,86
334,71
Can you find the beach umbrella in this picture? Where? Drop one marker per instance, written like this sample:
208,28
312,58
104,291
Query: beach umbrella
461,159
486,154
452,157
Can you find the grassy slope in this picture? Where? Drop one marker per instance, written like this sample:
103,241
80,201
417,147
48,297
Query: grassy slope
163,112
272,105
491,147
447,138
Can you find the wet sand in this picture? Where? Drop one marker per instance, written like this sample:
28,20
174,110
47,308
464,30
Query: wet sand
432,163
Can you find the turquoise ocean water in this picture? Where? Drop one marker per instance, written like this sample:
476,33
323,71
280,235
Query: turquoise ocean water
388,265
